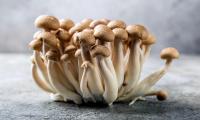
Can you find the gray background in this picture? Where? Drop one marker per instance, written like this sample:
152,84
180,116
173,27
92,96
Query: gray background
176,23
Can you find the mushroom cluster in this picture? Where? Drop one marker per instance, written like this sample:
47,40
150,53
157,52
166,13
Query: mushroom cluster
95,60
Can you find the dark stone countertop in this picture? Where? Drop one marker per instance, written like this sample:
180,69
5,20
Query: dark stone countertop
21,99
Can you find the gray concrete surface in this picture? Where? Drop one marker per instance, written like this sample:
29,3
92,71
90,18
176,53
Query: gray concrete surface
21,99
175,23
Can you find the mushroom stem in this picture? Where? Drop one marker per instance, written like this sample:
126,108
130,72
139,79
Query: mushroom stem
84,84
38,80
58,80
94,81
118,59
42,67
70,76
133,66
110,80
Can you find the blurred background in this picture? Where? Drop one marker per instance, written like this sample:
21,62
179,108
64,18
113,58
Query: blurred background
175,23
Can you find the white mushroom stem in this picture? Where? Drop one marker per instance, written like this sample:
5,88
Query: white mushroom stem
80,61
118,59
58,80
110,80
94,81
84,84
133,67
38,80
70,76
42,68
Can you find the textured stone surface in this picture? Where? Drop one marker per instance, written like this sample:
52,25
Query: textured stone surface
21,99
175,23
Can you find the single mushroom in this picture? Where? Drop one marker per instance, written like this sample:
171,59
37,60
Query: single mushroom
58,79
121,36
145,86
110,81
92,77
137,33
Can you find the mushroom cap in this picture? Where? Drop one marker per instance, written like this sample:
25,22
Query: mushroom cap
63,35
116,24
66,24
120,34
86,37
50,39
37,34
162,95
169,53
64,57
104,33
79,27
150,40
86,21
94,23
52,55
47,22
77,53
99,50
70,48
137,31
36,44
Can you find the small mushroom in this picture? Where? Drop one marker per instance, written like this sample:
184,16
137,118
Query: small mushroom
94,23
110,81
47,22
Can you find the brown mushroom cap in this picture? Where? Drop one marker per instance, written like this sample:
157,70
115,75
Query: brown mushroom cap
63,35
99,50
162,95
36,35
94,23
116,24
137,32
50,39
150,40
70,48
52,55
86,21
47,22
104,33
86,37
36,44
120,34
66,24
169,53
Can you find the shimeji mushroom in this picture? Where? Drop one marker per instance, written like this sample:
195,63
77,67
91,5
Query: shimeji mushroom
58,79
91,74
137,33
95,60
145,86
104,34
121,36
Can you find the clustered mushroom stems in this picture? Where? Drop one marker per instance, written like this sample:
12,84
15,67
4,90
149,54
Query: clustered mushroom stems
95,60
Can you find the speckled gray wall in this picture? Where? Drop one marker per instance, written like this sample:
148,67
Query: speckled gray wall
175,22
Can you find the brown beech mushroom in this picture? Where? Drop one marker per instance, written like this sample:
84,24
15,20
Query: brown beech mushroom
137,33
91,75
58,79
145,86
110,81
117,48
